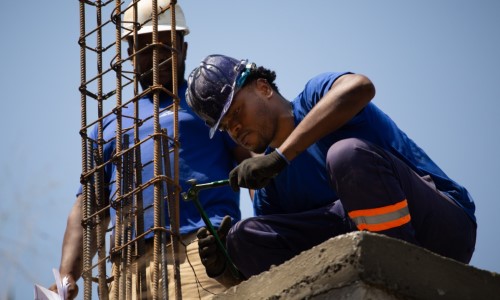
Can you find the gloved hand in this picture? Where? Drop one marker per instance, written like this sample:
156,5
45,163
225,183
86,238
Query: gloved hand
212,257
256,172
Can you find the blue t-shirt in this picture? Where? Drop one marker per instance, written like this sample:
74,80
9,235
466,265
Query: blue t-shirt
304,184
199,158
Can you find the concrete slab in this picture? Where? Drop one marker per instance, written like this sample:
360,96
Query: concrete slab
363,265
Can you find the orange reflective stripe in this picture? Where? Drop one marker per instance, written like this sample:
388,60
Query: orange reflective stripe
378,211
381,218
386,225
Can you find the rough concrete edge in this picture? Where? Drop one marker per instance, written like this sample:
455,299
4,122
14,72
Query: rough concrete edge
420,273
349,258
330,265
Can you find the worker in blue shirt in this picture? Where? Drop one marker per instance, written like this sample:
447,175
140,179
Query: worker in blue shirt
332,163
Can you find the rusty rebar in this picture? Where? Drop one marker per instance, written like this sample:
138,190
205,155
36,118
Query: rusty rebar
156,155
128,239
86,256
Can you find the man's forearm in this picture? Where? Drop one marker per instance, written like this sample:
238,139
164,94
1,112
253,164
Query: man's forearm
72,247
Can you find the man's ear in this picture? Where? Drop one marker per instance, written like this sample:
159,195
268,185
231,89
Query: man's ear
264,87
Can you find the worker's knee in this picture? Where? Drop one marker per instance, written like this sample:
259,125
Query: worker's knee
240,234
243,238
347,156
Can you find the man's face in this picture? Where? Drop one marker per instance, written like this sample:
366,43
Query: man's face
249,120
144,58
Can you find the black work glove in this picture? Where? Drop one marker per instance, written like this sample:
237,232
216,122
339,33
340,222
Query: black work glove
256,172
212,257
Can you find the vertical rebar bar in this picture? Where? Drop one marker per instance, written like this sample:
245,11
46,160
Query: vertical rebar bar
99,176
87,290
128,216
156,155
174,203
118,275
87,199
138,197
170,192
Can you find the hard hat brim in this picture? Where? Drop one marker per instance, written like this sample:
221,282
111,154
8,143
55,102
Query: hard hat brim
224,112
230,97
149,29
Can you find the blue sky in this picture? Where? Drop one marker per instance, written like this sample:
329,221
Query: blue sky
434,63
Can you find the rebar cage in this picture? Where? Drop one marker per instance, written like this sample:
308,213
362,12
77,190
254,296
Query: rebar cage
107,75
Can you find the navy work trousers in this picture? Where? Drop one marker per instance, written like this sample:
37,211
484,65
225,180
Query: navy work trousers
365,177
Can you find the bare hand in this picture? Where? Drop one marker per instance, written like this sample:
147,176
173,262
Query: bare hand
72,288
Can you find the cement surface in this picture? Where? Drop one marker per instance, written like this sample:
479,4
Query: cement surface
363,265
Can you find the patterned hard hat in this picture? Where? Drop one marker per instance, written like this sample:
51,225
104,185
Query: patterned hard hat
212,85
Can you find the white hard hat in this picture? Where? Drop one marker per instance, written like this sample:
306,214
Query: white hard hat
144,14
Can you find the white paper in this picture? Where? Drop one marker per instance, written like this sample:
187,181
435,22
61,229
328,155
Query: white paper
42,293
